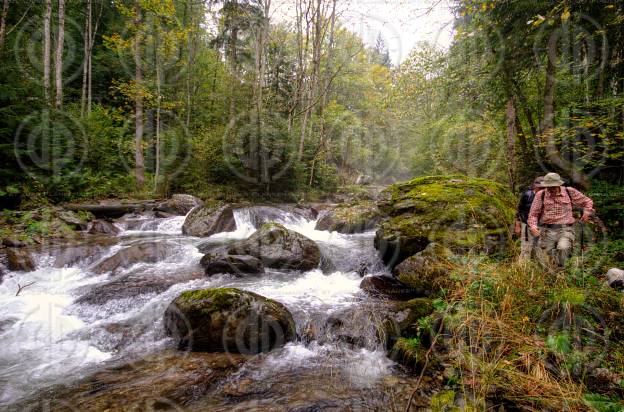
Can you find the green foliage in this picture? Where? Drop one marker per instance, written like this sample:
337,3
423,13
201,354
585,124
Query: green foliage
602,403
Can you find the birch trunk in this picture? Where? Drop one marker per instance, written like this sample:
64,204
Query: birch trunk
5,12
47,46
58,61
139,168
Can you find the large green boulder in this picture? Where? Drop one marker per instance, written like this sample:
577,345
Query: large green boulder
228,320
460,213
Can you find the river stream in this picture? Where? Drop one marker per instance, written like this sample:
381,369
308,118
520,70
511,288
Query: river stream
69,323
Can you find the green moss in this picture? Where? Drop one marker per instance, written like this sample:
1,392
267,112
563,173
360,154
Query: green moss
409,352
457,211
443,402
221,298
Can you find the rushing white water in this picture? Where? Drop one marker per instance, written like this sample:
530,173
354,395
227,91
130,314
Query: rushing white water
70,320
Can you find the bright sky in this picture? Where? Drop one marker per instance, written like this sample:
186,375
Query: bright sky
402,23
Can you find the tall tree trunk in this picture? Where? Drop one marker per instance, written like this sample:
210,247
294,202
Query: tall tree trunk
323,89
47,46
188,13
5,12
58,61
85,65
139,163
92,34
548,122
510,113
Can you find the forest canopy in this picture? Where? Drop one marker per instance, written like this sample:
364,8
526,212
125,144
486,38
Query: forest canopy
103,98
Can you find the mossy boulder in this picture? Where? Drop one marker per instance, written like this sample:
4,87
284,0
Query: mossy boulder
350,218
209,219
427,270
459,212
409,352
279,248
228,320
103,227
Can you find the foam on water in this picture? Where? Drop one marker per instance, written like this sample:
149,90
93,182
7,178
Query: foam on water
46,337
36,346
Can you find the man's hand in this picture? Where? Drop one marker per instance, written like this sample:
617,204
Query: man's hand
535,232
517,228
585,217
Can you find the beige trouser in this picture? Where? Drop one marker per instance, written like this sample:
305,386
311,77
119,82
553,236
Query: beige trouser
557,243
528,243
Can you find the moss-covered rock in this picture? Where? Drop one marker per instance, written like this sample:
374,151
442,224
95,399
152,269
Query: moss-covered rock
350,218
459,212
279,248
409,352
228,320
427,270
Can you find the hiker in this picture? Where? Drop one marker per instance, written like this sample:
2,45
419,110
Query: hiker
552,212
527,241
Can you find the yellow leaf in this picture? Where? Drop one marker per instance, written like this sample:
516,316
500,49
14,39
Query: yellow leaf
565,16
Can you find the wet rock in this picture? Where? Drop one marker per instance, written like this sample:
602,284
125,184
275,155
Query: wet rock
615,278
427,270
387,287
19,260
228,320
279,248
180,204
136,284
149,252
103,227
161,381
238,265
460,213
71,255
73,220
12,242
350,218
209,219
403,316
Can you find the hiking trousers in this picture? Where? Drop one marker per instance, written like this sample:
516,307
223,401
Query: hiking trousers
557,243
528,243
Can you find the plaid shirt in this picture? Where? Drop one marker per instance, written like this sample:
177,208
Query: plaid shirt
557,209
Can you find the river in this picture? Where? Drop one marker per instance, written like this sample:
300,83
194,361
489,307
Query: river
70,323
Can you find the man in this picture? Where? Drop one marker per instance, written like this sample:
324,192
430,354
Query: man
527,240
552,210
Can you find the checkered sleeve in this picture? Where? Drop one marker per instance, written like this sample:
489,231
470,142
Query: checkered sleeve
580,200
536,208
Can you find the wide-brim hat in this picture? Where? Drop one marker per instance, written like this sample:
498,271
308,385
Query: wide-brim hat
552,180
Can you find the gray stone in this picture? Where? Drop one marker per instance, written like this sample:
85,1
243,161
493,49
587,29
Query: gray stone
615,278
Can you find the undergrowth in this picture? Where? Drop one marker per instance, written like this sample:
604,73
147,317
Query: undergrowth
520,337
